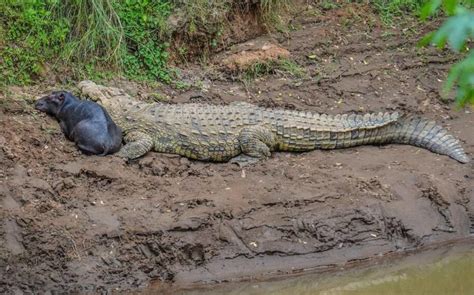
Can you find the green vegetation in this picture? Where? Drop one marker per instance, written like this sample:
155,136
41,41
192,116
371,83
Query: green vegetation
282,66
93,30
144,23
389,9
457,31
31,36
105,38
90,36
98,37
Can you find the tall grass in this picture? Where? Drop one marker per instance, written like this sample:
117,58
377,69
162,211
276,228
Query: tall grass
95,30
128,36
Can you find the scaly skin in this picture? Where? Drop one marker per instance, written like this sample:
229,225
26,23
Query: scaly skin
220,133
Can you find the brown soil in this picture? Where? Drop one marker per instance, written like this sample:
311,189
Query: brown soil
75,223
251,53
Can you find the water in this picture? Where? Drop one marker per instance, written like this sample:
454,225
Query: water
447,270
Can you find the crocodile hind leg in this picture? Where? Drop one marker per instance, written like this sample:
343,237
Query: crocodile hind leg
256,143
136,145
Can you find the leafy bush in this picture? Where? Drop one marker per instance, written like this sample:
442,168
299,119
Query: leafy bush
144,24
31,36
88,35
95,37
456,31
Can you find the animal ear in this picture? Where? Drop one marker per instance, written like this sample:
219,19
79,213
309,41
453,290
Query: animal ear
61,97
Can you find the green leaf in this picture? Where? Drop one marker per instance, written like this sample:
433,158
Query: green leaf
461,73
426,40
430,8
456,30
449,6
451,79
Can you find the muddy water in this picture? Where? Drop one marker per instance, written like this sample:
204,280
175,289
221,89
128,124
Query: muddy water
446,270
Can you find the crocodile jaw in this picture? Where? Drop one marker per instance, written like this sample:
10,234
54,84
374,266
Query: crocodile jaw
113,99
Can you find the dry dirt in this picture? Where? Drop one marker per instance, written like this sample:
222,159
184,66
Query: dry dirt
74,223
257,53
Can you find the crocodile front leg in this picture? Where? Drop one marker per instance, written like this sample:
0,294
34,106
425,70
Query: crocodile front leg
136,145
256,143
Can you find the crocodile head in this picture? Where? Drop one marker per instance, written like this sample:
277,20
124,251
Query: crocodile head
113,99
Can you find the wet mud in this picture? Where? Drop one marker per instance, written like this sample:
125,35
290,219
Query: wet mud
76,223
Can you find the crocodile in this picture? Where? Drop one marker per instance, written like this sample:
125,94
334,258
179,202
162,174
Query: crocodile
245,133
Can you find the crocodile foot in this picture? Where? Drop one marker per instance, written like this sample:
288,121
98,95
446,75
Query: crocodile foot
244,160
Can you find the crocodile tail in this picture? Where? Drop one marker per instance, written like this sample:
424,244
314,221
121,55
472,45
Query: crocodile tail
427,134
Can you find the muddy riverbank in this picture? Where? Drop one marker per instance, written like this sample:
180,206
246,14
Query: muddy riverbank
75,223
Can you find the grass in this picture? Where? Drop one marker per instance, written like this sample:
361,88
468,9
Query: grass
99,37
95,30
283,67
31,35
271,13
291,68
206,24
390,9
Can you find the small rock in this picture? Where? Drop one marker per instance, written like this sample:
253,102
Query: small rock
184,161
68,183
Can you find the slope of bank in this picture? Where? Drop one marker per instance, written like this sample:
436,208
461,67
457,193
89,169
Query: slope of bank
75,223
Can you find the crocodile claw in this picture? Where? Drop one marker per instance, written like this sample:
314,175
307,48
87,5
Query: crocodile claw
244,160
